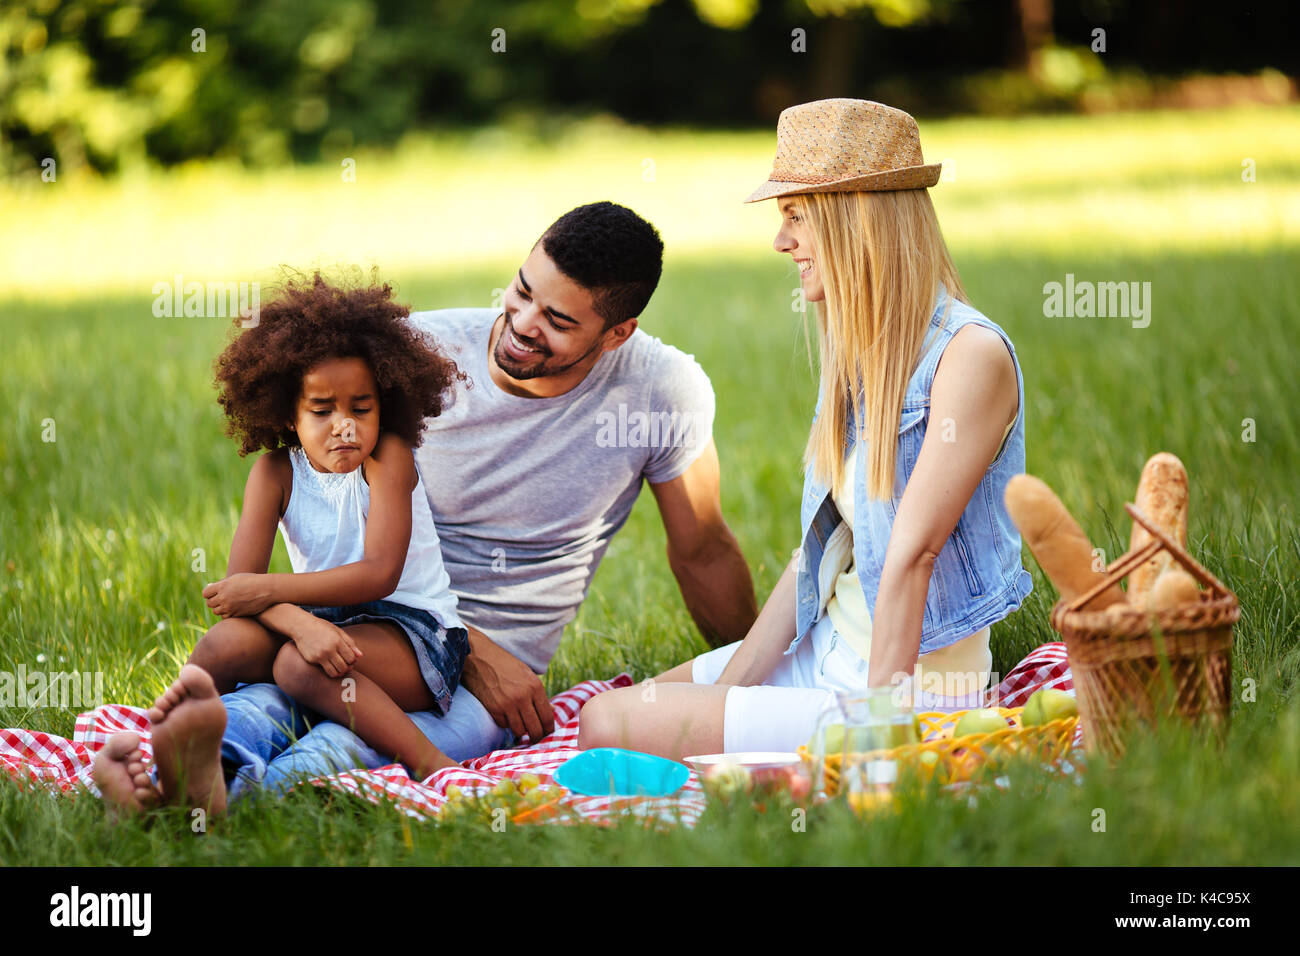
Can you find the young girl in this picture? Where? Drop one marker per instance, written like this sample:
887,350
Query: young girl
335,387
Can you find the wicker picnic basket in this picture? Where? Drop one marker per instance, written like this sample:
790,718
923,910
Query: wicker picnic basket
1133,665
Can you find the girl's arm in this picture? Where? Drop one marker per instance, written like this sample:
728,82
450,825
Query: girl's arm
264,503
265,493
270,481
974,387
390,473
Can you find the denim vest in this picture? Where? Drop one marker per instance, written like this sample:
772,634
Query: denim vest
978,578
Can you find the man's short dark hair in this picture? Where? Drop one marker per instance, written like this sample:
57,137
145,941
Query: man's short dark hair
611,251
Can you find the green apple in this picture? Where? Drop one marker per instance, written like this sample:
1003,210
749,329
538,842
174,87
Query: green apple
884,708
983,721
1047,705
897,734
725,780
1032,715
832,740
862,739
901,734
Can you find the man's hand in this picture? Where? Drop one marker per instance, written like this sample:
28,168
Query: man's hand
508,688
240,595
326,645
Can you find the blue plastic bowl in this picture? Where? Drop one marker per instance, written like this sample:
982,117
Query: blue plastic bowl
613,771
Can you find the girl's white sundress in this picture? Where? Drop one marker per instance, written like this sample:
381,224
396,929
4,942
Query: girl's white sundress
324,526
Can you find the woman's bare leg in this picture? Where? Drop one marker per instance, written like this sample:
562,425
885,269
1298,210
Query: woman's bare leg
667,718
385,683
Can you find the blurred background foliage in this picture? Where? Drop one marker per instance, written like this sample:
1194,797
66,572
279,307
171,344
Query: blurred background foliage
108,84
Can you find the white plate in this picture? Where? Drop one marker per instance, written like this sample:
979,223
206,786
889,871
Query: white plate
750,760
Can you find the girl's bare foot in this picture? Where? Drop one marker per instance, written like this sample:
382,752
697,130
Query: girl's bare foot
120,774
188,720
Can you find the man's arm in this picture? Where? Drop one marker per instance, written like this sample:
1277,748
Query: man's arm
703,553
507,688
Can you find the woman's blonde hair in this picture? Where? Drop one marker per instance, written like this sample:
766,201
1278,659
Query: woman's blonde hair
882,257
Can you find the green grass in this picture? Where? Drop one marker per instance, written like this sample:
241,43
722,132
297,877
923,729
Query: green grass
99,529
1153,182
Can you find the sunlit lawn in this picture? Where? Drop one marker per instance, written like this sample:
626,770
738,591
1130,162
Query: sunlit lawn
101,528
1149,182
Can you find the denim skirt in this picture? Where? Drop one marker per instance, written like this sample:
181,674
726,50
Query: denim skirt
441,651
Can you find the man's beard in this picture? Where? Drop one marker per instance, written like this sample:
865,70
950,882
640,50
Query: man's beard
541,369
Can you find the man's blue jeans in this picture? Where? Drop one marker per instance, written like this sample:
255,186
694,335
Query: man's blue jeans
269,741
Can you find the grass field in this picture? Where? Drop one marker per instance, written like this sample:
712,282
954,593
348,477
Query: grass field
101,527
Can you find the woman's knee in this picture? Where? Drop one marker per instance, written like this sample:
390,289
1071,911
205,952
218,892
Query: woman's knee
601,719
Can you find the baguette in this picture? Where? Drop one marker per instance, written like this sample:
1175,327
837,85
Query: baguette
1174,588
1056,541
1162,497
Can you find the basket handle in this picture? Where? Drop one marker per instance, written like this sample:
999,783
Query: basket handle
1121,566
1194,567
1118,569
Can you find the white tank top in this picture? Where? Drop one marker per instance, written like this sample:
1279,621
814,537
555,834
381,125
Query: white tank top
325,527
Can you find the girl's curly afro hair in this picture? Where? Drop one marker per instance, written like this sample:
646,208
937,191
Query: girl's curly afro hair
259,375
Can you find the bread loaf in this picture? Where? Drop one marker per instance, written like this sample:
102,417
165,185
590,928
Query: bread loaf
1162,497
1174,588
1056,541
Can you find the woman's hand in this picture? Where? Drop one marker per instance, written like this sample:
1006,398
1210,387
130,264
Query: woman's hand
240,595
326,645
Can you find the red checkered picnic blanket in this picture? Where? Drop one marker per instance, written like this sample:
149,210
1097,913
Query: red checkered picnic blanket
63,766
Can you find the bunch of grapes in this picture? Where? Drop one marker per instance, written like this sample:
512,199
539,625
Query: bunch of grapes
516,795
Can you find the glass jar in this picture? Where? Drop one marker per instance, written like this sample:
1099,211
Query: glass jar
852,735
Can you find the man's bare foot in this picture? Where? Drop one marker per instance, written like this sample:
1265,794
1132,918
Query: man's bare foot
120,774
188,720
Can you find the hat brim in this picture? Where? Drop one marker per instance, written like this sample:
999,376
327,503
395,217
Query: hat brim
909,177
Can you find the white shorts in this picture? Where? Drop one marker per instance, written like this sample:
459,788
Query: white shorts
781,713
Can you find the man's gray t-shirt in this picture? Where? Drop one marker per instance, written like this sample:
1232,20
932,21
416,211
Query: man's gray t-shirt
527,492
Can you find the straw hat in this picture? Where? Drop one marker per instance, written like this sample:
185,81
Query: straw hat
844,145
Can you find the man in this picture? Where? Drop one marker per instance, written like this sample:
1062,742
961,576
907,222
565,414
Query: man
530,472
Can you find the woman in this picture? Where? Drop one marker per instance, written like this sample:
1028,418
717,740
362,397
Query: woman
908,554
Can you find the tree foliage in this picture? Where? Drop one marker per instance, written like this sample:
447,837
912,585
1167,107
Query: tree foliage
110,83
